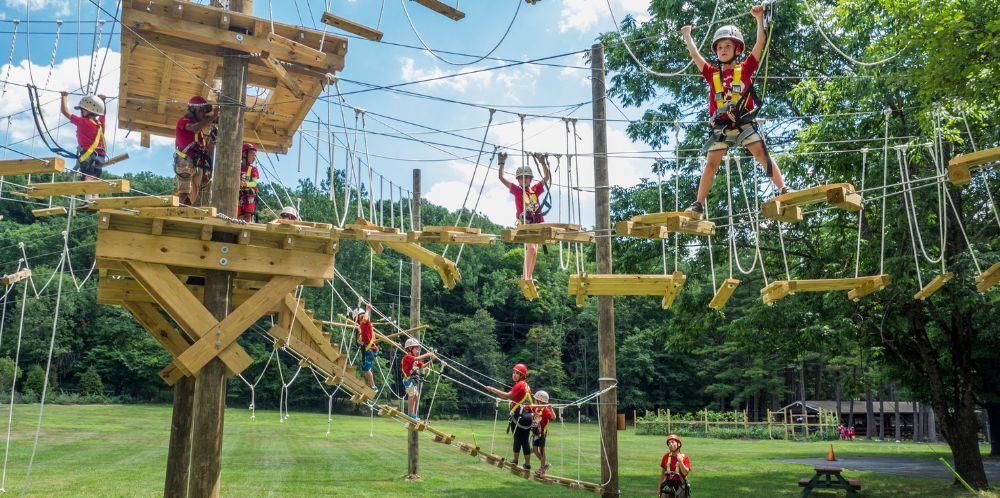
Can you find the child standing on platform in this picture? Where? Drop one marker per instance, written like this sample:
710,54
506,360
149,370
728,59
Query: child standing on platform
543,415
90,146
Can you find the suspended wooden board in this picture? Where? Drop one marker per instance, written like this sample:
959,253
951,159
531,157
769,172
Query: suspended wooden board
667,286
172,50
528,289
933,286
16,277
52,211
39,190
788,207
959,166
350,26
857,287
450,235
986,280
723,294
546,233
32,166
379,236
442,8
658,225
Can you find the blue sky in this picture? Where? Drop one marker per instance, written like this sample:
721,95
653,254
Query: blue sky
547,28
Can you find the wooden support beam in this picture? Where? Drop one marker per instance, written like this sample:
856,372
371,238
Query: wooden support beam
16,277
933,286
724,293
144,139
177,212
350,26
986,280
136,202
282,75
958,166
52,211
443,9
30,166
167,68
40,190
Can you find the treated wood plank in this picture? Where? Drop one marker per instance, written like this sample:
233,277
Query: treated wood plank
282,75
977,158
725,292
791,214
443,9
446,268
528,289
39,190
811,195
986,280
52,211
15,277
857,287
31,166
787,207
350,26
177,212
933,286
136,202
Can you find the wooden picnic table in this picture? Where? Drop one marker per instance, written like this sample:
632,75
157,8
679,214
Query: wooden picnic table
829,478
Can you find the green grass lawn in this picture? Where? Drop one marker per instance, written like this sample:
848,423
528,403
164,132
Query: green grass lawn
121,451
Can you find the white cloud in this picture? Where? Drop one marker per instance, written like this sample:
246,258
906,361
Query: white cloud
585,15
50,7
410,72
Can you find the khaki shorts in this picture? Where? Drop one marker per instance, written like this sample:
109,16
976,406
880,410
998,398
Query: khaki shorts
724,138
184,173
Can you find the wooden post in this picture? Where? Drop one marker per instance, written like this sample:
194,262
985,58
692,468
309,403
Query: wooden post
706,421
605,304
413,437
784,422
746,422
634,418
668,421
769,424
210,383
179,451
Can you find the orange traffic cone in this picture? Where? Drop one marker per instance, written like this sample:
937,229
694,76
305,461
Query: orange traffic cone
830,457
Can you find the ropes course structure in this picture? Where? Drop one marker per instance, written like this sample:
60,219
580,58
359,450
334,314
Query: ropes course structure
153,253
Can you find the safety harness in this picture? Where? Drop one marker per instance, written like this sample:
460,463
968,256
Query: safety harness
733,107
197,150
97,140
517,409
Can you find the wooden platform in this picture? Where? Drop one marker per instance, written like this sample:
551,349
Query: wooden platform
546,233
788,207
857,287
959,172
40,190
666,286
30,166
450,235
989,278
724,293
285,78
442,8
344,24
660,225
933,286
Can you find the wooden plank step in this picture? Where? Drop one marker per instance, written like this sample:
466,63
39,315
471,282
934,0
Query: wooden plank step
16,277
667,286
989,278
52,211
39,190
350,26
857,287
446,228
528,289
136,202
674,221
442,8
30,166
723,294
933,286
788,207
977,158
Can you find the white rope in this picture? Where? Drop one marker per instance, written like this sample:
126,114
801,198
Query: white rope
472,179
861,214
430,406
13,385
819,26
647,69
446,61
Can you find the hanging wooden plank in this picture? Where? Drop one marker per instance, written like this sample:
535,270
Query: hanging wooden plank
40,190
857,287
30,166
667,286
16,277
52,211
350,26
725,292
986,280
787,207
933,286
442,8
528,289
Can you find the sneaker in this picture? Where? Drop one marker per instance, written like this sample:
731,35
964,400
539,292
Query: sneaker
375,388
697,209
544,468
527,466
784,190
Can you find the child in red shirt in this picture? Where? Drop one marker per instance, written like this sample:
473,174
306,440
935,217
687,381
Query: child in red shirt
521,417
366,341
411,365
676,466
543,415
193,142
526,202
731,104
248,183
90,145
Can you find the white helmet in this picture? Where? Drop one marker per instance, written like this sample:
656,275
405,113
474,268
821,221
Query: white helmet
411,342
729,32
358,312
91,104
523,171
290,211
542,396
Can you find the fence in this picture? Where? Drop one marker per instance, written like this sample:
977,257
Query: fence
737,425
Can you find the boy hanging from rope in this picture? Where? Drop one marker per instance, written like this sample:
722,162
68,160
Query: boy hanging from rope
91,153
194,137
732,104
248,183
675,468
543,415
412,365
526,202
366,341
521,418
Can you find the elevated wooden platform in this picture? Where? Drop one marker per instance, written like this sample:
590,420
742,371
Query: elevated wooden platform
286,76
933,286
40,190
989,278
857,287
959,172
666,286
546,233
30,166
723,294
788,207
450,235
660,225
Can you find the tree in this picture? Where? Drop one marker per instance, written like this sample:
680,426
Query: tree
90,382
8,372
543,353
34,382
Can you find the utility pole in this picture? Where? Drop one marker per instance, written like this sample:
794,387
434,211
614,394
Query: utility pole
608,408
413,436
210,383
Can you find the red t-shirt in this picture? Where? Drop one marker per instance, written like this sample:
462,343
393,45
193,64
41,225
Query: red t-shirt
544,415
367,332
518,392
182,136
86,132
535,190
749,64
410,363
670,462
